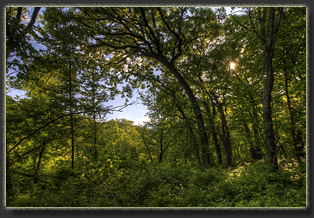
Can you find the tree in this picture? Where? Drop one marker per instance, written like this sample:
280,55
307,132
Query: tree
268,20
147,32
18,28
291,66
208,78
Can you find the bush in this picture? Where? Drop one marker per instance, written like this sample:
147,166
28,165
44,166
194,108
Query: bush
165,185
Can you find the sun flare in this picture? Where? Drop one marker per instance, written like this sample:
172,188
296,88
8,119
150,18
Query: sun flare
232,65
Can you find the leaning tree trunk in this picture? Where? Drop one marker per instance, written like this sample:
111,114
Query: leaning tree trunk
196,109
192,135
41,152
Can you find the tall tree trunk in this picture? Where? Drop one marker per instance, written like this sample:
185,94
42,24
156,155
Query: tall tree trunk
95,136
8,184
255,155
268,43
210,117
257,136
280,144
42,149
257,142
225,134
161,146
192,135
196,109
71,115
267,115
41,152
292,121
147,148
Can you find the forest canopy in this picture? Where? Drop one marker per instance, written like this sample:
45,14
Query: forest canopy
226,95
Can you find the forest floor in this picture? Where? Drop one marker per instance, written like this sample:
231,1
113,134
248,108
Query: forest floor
138,184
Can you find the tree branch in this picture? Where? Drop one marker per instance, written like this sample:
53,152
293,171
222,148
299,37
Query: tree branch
19,13
250,30
117,108
151,31
33,19
175,34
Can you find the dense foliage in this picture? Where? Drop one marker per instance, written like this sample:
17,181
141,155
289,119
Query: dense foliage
226,94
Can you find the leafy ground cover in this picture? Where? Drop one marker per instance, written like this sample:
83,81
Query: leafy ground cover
165,185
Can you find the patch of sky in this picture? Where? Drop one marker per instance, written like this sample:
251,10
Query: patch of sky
134,112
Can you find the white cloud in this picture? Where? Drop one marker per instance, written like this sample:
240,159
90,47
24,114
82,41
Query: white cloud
141,120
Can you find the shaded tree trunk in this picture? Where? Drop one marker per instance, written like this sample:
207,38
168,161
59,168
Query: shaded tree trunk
192,135
41,152
95,136
147,148
268,44
255,153
280,145
71,115
161,152
224,134
157,54
8,184
196,110
213,131
258,140
292,120
42,149
267,115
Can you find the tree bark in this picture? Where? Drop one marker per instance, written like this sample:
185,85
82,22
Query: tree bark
196,109
187,120
210,118
268,43
8,183
192,135
292,121
95,136
255,155
154,50
225,134
41,152
42,149
147,148
255,127
161,146
71,115
267,114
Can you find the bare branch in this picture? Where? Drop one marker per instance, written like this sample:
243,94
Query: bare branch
19,13
248,29
254,30
33,19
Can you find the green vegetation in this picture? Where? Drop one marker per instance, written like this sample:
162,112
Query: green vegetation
226,100
130,183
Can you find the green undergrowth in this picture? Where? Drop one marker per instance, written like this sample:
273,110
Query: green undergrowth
163,185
